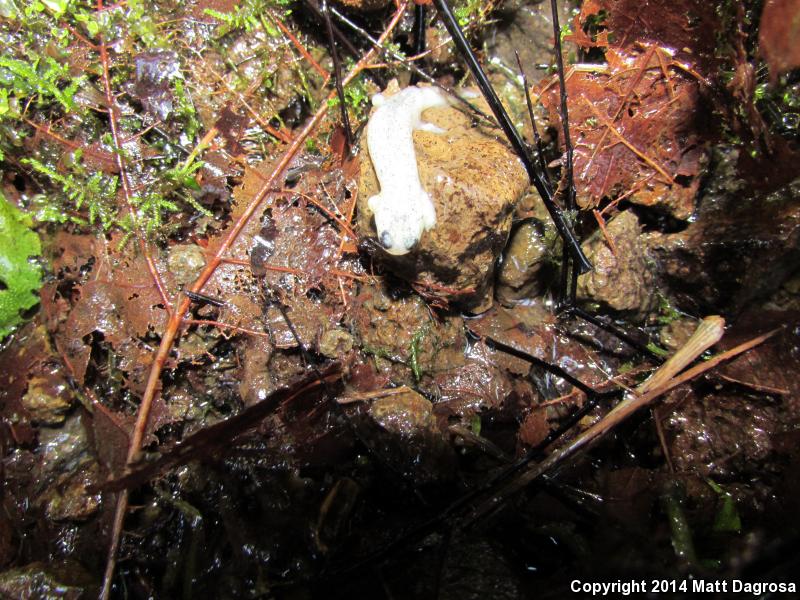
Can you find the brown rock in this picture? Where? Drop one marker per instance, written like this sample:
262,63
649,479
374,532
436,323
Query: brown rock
621,280
406,342
523,260
46,403
72,500
474,180
401,429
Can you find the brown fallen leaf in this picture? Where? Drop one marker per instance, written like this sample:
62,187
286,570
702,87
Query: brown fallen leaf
778,35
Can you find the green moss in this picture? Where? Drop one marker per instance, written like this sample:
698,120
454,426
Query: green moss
666,312
85,198
468,12
414,350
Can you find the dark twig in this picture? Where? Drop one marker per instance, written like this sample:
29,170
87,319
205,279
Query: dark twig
616,331
569,275
337,76
550,368
419,36
648,392
536,139
343,40
199,298
411,66
536,177
562,85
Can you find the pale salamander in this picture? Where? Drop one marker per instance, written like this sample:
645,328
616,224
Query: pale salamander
402,209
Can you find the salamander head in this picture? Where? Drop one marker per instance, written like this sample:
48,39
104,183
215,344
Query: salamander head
398,228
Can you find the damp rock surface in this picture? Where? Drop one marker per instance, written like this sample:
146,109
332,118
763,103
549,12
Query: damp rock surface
406,343
401,429
740,247
524,260
622,278
474,181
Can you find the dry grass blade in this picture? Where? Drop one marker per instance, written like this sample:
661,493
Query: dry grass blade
708,333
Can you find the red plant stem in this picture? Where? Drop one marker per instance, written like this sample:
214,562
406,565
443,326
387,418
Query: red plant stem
123,172
221,325
176,317
601,222
300,48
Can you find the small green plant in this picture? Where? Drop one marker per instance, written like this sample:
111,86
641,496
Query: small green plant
93,195
43,78
469,11
20,278
247,16
414,350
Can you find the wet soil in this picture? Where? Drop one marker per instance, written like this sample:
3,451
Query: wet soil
331,422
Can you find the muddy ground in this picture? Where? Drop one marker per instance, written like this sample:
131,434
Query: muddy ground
214,382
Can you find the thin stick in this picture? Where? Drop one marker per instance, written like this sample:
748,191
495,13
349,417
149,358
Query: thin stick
537,140
708,333
569,274
123,171
343,40
337,77
300,47
616,331
562,86
601,223
411,66
564,230
419,36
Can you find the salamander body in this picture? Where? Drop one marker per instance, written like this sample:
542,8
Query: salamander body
402,209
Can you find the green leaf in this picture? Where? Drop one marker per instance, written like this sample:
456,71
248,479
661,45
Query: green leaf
20,278
727,519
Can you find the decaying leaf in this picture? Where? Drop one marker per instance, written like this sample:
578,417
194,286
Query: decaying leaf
634,130
687,28
778,36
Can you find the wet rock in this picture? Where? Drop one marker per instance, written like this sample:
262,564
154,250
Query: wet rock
621,281
403,414
66,580
524,260
676,333
723,435
47,404
71,499
185,262
474,181
63,449
335,342
406,342
741,246
255,383
402,430
309,319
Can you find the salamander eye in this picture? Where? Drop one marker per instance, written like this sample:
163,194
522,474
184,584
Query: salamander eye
386,239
